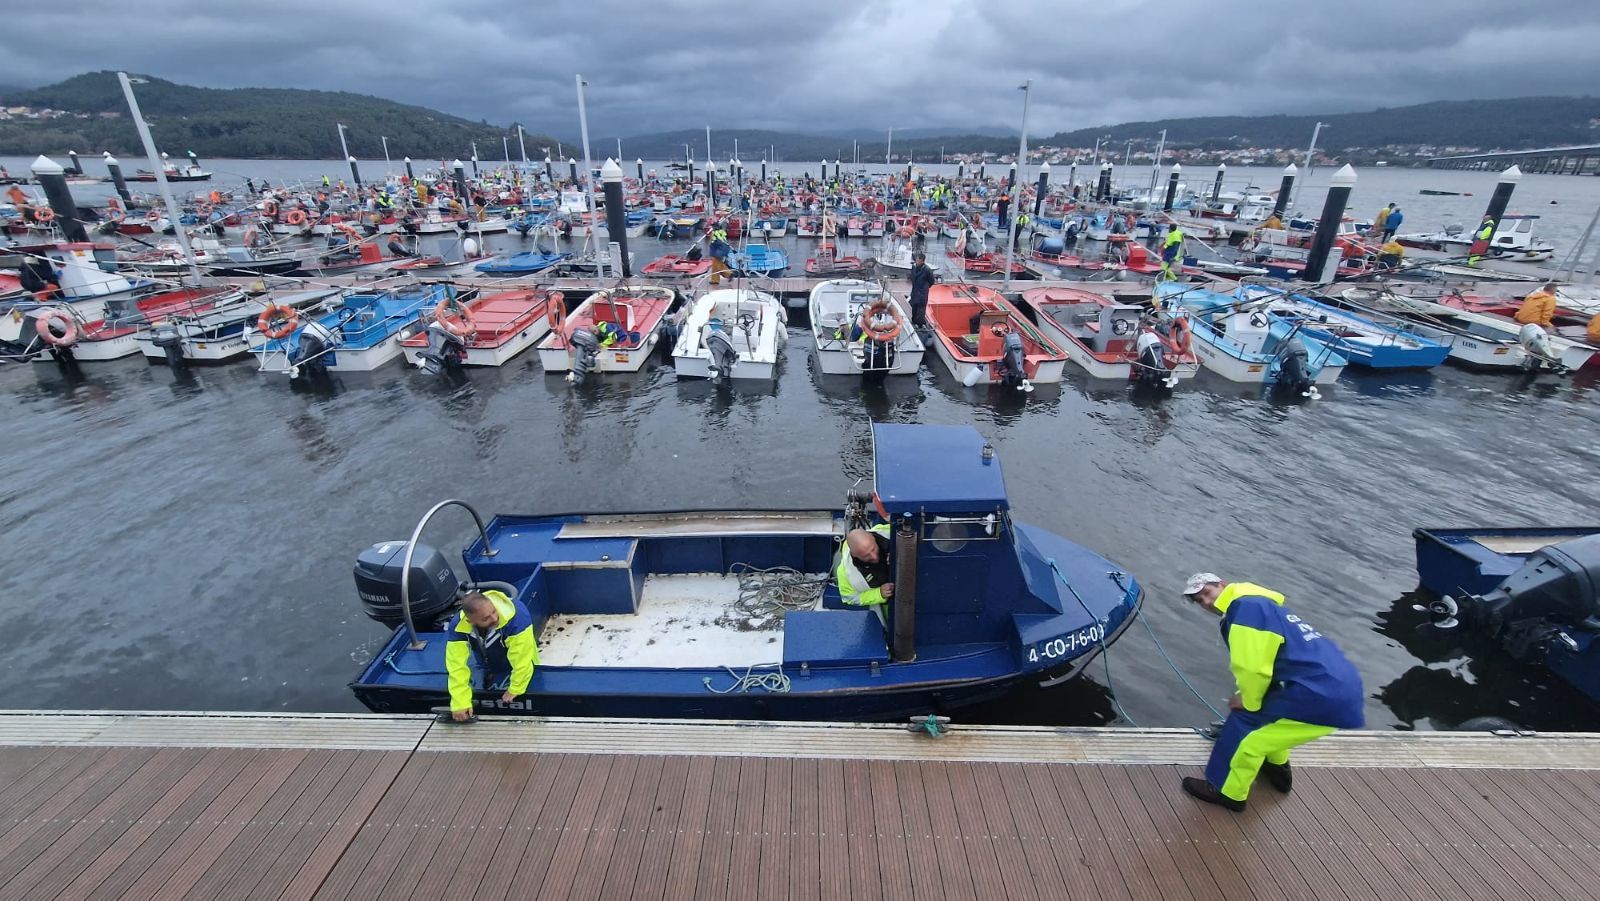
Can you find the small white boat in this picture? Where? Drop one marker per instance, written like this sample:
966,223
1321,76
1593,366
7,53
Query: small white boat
1476,340
858,327
731,333
637,312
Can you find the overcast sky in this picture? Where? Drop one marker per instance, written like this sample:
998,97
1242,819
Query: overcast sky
816,65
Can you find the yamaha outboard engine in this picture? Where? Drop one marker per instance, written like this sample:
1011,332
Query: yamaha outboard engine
445,350
1151,369
169,338
585,354
1540,352
1531,612
311,350
1294,369
1013,362
723,356
432,588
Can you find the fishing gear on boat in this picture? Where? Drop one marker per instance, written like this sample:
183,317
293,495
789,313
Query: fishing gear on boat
781,586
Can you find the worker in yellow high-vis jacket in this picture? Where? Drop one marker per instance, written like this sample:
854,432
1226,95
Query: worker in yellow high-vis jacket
1294,685
498,631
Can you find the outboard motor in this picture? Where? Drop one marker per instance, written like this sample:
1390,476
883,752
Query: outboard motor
1151,368
432,588
311,350
445,350
1294,369
1540,352
1530,613
585,354
1013,362
1051,247
169,338
723,356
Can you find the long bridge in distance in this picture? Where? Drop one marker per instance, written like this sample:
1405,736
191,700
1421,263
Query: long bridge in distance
1583,159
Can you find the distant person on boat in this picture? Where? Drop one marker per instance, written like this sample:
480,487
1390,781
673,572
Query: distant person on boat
922,278
1379,220
1273,222
1391,223
1592,333
497,631
1171,251
1539,308
1480,241
1294,685
720,249
864,575
1002,209
1391,255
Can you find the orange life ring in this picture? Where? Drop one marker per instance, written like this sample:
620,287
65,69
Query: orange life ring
876,330
287,319
152,217
556,312
296,217
44,214
69,328
906,231
1181,337
455,317
269,208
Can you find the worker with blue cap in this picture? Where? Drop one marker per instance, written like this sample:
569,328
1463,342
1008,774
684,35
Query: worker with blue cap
1294,685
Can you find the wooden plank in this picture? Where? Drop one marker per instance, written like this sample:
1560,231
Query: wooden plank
600,770
1404,854
603,842
861,853
51,801
94,837
1089,860
989,878
922,853
618,860
944,821
776,843
1157,790
1158,855
655,847
385,841
833,829
1415,813
33,788
455,861
1087,785
1300,828
1533,837
711,877
804,851
683,863
537,814
1384,865
1466,813
425,822
1023,867
744,852
1569,824
336,864
890,831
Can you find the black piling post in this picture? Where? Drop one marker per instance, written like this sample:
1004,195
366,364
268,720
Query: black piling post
983,171
121,183
1042,189
961,171
77,167
53,179
1172,188
410,176
616,214
572,170
763,171
1284,190
711,188
549,173
908,171
1072,176
1011,176
1322,242
639,164
1501,198
738,174
355,173
1216,186
824,178
460,170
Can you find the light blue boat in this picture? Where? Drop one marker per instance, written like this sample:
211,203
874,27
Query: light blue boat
776,225
524,263
356,332
1251,346
760,259
1363,341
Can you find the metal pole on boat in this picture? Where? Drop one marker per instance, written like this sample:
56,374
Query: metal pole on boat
619,150
1502,194
1043,187
355,173
53,179
1322,242
1311,150
386,160
888,149
588,166
173,211
1216,186
505,144
1172,188
616,216
1284,190
1570,263
1155,166
1022,157
708,144
343,147
522,145
115,168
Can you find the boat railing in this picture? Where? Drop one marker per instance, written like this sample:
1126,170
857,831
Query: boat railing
415,643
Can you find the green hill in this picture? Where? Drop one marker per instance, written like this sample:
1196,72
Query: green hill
246,123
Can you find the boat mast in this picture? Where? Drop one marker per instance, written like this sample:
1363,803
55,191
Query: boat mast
588,173
1022,162
171,202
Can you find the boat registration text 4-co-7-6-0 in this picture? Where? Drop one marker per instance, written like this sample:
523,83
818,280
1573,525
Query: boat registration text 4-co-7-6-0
1062,645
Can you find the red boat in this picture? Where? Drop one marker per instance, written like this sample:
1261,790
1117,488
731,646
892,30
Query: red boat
972,327
673,265
835,266
495,328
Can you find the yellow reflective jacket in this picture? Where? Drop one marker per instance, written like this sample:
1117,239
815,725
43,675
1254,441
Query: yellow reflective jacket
512,639
853,587
1251,651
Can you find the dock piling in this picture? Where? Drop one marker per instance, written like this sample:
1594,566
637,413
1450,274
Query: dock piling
1501,198
616,217
77,167
1285,188
1216,186
1172,188
115,168
1043,187
53,179
1323,247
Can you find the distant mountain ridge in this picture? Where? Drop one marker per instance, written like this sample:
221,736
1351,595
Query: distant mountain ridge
246,123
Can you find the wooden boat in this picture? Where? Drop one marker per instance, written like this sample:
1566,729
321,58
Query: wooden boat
498,326
983,338
674,265
1360,340
217,332
638,312
1113,340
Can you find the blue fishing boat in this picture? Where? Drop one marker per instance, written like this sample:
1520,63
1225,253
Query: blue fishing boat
1361,340
525,263
735,614
527,222
759,259
1533,592
356,331
1250,346
770,225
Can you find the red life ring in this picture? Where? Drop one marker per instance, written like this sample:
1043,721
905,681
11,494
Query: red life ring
556,312
287,319
876,330
296,217
269,208
44,214
455,317
69,328
1181,337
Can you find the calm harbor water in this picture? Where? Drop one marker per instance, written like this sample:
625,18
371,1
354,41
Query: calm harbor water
183,539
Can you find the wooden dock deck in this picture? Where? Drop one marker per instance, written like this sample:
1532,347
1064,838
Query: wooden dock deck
245,806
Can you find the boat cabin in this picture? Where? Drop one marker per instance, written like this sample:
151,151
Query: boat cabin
1104,327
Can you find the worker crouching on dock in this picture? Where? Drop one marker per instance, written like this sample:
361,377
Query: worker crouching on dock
1294,685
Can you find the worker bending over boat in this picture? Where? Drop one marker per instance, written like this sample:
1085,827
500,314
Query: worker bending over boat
1294,685
1539,308
498,631
864,575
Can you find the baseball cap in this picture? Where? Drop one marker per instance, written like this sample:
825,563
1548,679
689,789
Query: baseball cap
1199,581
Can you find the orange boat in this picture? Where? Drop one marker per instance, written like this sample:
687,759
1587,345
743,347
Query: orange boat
982,337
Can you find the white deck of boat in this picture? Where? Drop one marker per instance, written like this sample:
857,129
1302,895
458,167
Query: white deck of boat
689,525
684,621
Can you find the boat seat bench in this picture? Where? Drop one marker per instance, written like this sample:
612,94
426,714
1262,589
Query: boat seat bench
833,638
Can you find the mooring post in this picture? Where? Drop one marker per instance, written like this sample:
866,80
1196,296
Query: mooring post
1323,246
53,179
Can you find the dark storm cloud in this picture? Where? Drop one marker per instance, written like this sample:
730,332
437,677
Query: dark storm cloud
832,64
